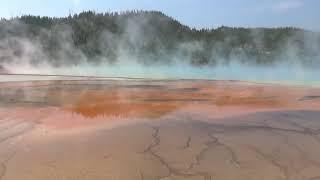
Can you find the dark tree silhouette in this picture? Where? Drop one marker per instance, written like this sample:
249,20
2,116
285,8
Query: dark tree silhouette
151,36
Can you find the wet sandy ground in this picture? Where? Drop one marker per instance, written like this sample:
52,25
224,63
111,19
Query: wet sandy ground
102,129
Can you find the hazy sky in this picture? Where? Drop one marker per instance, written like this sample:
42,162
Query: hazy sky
195,13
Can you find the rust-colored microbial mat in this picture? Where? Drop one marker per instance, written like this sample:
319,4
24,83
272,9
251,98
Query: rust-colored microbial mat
102,129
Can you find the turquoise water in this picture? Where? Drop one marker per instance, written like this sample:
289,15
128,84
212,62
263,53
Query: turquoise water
277,74
282,74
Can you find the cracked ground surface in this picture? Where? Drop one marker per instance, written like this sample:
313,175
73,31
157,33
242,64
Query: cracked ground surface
158,131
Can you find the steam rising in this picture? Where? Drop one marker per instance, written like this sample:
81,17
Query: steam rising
29,55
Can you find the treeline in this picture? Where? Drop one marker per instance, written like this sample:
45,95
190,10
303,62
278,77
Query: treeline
149,37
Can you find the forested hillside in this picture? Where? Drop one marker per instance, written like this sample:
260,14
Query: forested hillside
149,37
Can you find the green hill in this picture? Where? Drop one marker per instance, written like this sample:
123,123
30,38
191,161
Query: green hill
149,37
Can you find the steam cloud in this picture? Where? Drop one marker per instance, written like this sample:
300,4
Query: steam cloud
29,55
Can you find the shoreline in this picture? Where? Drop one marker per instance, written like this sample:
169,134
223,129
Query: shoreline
58,77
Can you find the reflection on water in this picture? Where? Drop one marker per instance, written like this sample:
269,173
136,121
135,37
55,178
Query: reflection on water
143,98
94,98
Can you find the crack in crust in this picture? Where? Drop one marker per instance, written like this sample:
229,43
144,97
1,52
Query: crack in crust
171,171
271,160
187,144
3,165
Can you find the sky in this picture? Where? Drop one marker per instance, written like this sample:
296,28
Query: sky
194,13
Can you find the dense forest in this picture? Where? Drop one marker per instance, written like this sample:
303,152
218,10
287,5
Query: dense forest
149,37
